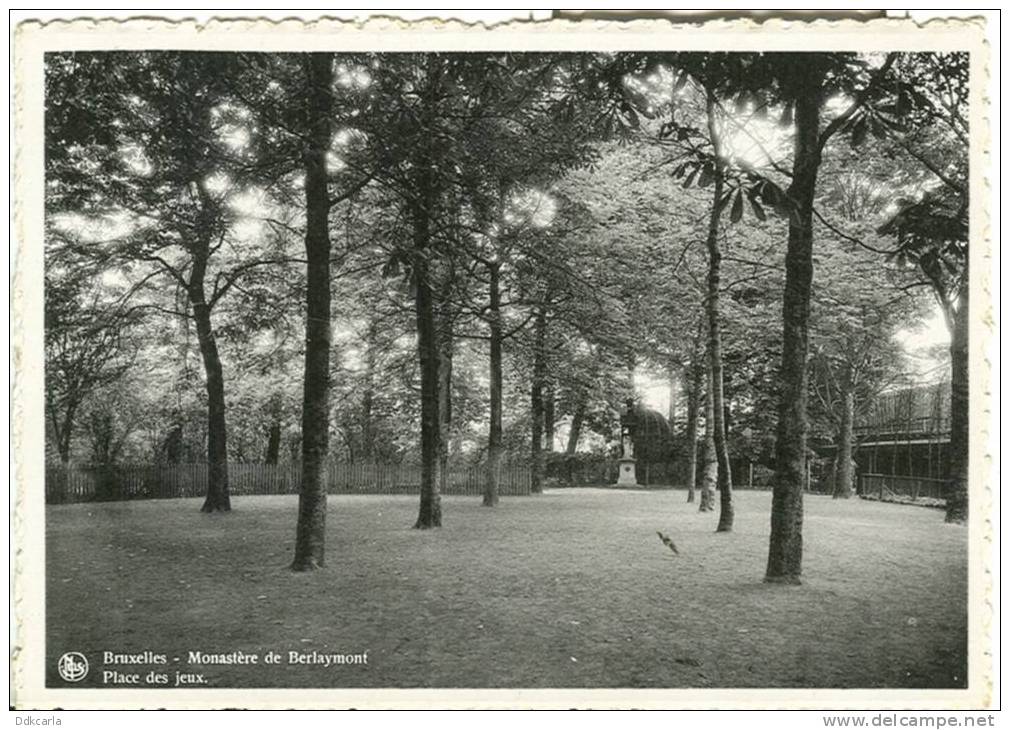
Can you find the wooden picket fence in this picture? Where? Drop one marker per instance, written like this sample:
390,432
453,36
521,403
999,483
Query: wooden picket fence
87,483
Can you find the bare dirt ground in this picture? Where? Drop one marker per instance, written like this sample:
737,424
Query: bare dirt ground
567,589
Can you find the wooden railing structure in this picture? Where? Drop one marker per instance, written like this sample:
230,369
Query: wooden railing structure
86,483
911,413
891,487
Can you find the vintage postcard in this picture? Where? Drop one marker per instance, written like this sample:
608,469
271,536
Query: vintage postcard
553,364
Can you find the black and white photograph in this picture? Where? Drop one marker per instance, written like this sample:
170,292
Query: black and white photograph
650,366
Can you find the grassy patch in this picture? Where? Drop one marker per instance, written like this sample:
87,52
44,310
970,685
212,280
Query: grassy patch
567,589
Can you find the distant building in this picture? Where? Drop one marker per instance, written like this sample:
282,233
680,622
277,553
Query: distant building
906,433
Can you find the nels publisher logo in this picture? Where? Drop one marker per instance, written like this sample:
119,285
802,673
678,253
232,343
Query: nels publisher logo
73,666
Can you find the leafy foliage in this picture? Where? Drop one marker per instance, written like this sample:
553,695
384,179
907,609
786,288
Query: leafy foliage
587,178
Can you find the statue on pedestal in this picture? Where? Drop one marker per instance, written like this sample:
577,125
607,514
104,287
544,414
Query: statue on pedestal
626,464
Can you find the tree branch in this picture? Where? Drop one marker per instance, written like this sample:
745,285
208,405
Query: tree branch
838,122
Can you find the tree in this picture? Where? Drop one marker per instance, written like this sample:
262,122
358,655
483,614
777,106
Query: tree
718,409
421,211
709,163
711,167
151,135
87,346
805,82
494,447
297,111
537,410
697,129
310,539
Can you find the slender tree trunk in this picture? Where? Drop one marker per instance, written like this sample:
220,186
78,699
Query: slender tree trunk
274,411
273,443
785,549
549,415
671,408
709,461
693,404
367,427
724,477
494,444
957,476
537,402
172,445
446,345
842,488
218,498
422,213
536,439
64,434
576,430
310,540
63,449
367,447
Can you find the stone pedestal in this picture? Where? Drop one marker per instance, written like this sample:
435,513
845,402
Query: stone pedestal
626,472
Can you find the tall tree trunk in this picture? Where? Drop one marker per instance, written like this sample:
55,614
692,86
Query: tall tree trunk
693,404
421,212
957,476
785,548
428,353
494,442
218,498
310,540
724,477
709,460
430,512
842,488
537,401
446,345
